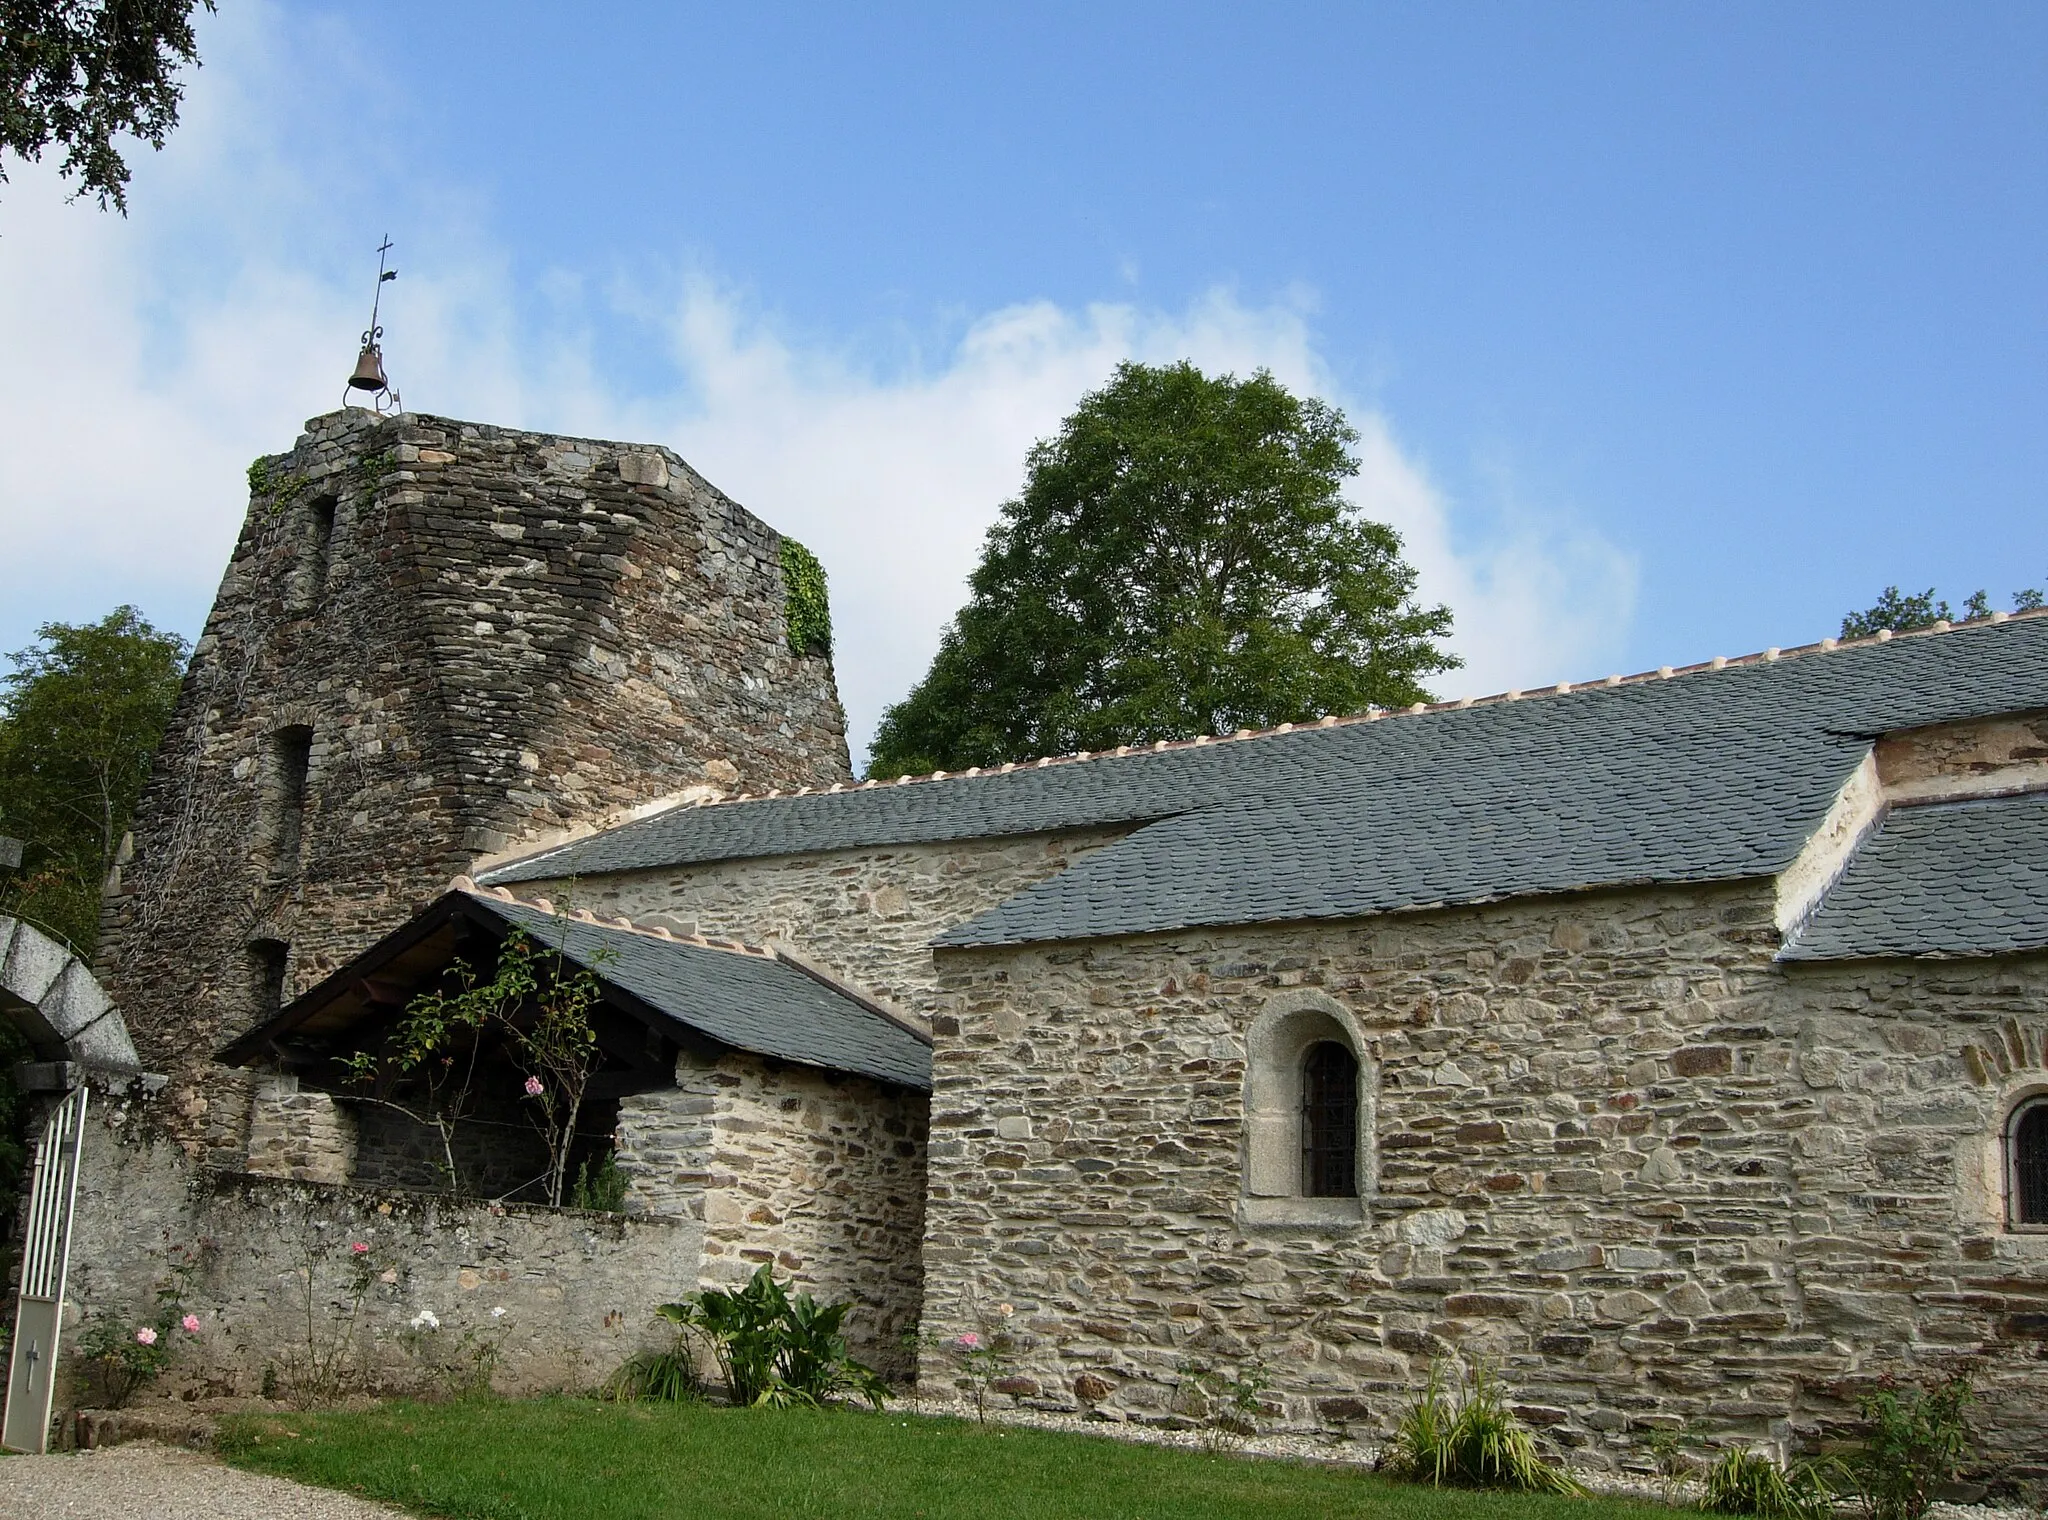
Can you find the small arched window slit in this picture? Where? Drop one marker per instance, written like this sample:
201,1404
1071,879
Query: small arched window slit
309,581
2026,1162
1329,1122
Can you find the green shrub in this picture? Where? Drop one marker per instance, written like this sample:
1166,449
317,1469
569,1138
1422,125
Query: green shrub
1668,1449
813,1363
1228,1402
1476,1443
1751,1483
775,1348
743,1330
1914,1445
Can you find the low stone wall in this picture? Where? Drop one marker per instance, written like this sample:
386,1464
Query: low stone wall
278,1285
1616,1151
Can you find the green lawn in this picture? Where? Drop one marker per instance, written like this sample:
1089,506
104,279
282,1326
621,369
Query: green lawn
591,1461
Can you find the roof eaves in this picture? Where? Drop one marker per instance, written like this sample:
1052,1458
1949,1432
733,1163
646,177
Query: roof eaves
250,1042
868,1002
974,933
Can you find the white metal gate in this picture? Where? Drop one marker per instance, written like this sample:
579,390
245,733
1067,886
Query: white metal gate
52,1196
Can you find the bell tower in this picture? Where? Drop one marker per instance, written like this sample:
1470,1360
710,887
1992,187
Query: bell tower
436,640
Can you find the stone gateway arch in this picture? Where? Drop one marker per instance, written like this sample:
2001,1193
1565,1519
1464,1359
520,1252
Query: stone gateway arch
53,998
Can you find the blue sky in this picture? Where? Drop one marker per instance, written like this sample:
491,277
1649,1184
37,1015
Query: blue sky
1674,331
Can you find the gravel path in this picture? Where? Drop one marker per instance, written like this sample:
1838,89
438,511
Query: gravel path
143,1481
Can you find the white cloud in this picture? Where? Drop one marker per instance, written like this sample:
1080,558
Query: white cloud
151,359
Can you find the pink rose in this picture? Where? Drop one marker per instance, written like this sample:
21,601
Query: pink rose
191,1323
146,1336
360,1249
533,1087
970,1340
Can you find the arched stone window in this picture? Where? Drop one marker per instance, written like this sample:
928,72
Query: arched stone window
1309,1092
2026,1162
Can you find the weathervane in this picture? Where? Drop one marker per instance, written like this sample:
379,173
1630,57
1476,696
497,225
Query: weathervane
369,375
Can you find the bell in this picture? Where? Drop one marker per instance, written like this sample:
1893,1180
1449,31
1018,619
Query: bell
369,375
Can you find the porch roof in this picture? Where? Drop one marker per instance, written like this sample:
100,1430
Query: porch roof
692,991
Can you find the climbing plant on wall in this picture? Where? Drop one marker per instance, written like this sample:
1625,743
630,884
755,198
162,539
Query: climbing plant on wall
808,608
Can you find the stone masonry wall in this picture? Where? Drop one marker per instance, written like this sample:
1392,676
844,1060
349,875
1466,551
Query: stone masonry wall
305,1136
487,635
822,1175
867,915
578,1289
1622,1155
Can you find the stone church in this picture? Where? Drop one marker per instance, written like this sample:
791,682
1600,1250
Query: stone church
1675,1045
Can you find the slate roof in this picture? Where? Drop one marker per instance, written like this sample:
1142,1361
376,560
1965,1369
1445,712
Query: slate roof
746,999
749,1000
1702,775
1960,878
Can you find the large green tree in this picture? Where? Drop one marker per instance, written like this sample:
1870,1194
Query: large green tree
80,73
1181,561
80,717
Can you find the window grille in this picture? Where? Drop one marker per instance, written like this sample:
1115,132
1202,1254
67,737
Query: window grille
1329,1122
2026,1144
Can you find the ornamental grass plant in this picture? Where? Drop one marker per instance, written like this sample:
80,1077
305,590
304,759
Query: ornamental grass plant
1754,1483
1474,1442
666,1376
